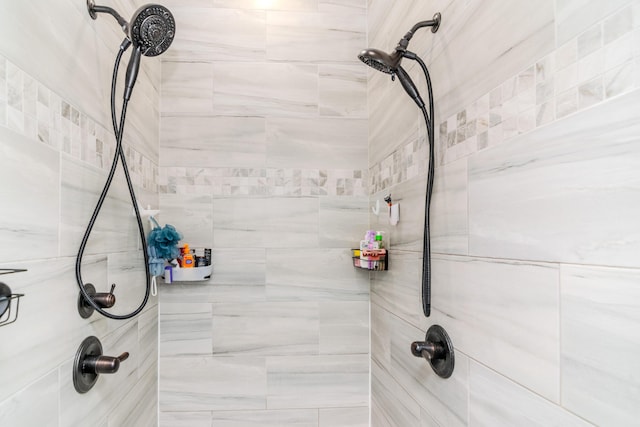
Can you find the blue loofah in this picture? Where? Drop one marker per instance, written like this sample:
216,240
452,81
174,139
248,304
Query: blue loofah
164,241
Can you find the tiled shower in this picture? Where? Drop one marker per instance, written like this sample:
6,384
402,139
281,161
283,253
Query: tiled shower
261,135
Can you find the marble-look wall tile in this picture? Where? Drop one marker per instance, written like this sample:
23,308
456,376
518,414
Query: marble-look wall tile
185,419
495,400
39,323
380,336
492,321
342,221
186,87
574,17
301,5
186,329
496,55
18,410
344,417
315,37
265,222
213,34
148,343
391,405
317,381
30,213
127,271
139,406
212,383
268,418
316,143
191,215
115,228
213,141
398,290
266,328
265,89
602,303
344,327
314,274
449,210
342,90
533,198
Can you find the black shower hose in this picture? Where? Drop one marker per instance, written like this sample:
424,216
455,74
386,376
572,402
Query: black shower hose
119,154
426,241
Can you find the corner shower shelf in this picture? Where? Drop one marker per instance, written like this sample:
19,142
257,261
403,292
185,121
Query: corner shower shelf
375,260
195,274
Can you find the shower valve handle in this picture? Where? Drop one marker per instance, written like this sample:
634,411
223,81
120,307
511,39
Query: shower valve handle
104,299
103,364
428,350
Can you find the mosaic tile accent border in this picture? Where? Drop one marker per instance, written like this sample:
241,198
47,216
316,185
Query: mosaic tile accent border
262,182
35,111
599,64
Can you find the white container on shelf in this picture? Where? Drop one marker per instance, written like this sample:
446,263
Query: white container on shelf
194,274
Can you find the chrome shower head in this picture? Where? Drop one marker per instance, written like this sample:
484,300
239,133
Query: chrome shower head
381,61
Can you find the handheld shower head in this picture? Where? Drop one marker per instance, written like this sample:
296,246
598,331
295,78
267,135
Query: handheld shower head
381,61
152,29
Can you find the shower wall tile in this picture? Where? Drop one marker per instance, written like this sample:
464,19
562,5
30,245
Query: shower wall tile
359,6
45,281
380,336
317,381
213,141
277,89
37,169
342,90
125,269
268,418
265,222
315,274
315,37
449,210
529,32
148,344
302,5
186,329
574,17
398,289
115,228
316,143
19,409
391,405
186,87
559,169
191,215
185,419
344,417
215,34
266,328
603,303
342,221
212,383
139,407
495,400
473,308
344,327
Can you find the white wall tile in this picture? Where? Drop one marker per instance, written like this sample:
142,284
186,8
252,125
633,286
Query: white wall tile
600,305
18,410
317,381
494,400
491,310
295,418
185,419
344,417
186,329
212,383
558,171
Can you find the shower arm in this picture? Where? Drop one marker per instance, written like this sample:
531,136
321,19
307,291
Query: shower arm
94,10
433,23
